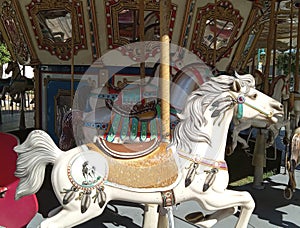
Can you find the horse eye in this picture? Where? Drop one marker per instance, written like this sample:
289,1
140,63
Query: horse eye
253,96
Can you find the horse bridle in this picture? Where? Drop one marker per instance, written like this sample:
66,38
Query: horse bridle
240,99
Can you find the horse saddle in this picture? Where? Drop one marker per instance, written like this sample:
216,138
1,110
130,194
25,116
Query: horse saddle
145,165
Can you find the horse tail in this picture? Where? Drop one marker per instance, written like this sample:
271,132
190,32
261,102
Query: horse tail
34,154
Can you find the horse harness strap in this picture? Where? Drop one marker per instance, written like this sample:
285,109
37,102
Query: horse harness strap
243,101
204,161
168,198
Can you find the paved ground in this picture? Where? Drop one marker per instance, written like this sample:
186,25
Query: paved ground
271,211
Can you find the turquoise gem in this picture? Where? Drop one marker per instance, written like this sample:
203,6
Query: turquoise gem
240,111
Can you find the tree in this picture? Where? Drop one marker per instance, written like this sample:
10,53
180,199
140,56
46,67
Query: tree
283,62
4,54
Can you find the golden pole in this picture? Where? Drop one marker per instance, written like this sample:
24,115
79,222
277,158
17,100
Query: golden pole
151,217
165,6
142,39
215,35
269,48
291,43
72,52
296,78
275,41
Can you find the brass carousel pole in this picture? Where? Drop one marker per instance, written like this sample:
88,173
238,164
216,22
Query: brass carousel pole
151,217
290,44
296,73
165,6
270,41
286,103
215,36
259,157
275,42
72,51
142,39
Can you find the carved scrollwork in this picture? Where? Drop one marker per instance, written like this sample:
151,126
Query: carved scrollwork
15,33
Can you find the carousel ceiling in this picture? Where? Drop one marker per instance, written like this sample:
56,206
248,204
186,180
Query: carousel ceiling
45,31
285,22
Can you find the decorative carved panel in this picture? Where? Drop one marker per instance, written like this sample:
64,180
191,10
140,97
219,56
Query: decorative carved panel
16,35
215,25
52,24
122,19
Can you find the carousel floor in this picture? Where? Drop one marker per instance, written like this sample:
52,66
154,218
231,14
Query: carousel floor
11,121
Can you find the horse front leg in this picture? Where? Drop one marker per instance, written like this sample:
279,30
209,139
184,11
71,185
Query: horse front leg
4,91
236,138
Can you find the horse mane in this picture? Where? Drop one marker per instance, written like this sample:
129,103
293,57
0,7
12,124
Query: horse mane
192,118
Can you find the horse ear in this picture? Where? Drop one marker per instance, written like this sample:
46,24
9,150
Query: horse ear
236,86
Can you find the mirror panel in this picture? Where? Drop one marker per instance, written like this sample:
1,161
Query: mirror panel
52,25
55,25
223,31
124,17
216,25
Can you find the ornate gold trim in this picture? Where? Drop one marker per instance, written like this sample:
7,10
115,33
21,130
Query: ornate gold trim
16,35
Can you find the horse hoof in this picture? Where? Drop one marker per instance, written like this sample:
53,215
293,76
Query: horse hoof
195,217
288,193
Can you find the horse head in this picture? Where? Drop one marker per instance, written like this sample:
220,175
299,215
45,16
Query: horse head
223,98
269,112
12,65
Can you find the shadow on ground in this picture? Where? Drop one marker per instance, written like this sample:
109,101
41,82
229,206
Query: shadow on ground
270,203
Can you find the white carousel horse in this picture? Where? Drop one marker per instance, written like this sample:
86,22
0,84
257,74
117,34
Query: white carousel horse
192,167
295,108
293,162
279,90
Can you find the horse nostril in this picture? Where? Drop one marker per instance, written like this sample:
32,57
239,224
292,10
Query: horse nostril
278,106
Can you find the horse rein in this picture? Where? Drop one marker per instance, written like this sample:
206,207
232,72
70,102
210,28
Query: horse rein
240,99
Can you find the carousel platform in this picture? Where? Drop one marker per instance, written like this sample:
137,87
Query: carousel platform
272,209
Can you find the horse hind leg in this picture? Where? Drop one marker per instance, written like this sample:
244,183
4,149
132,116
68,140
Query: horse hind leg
211,219
291,170
225,203
291,186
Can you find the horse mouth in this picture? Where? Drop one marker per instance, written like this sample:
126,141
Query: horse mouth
277,117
